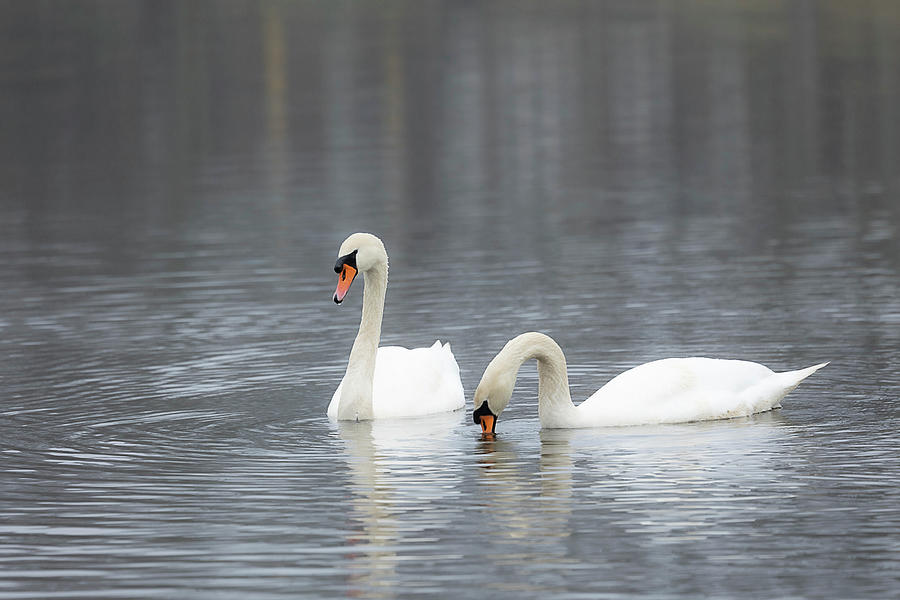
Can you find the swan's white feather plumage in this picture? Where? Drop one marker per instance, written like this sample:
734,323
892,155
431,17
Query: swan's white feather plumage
412,382
671,390
678,390
391,381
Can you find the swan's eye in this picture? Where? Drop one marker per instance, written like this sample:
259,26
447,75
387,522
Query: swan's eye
347,259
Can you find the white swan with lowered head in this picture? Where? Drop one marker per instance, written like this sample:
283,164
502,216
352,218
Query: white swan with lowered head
391,381
672,390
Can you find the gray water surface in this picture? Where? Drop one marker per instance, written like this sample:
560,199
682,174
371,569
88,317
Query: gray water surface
638,181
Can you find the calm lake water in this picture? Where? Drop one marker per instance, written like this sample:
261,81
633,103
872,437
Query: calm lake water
638,181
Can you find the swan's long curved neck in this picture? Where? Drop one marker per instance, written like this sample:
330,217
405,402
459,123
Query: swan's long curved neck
356,396
555,407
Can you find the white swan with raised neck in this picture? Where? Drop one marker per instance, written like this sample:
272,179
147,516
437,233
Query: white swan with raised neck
390,381
671,390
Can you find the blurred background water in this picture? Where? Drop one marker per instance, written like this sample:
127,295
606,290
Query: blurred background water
638,180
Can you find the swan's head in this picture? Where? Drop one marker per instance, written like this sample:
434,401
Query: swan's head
359,252
492,394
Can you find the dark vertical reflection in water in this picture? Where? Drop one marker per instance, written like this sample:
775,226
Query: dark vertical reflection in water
638,180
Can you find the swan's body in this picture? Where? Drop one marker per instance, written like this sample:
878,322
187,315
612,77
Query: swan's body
392,381
411,383
672,390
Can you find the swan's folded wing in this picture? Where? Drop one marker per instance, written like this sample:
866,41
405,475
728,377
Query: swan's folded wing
676,390
416,382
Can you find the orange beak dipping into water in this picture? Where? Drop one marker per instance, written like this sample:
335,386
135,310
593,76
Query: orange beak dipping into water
488,422
484,417
346,269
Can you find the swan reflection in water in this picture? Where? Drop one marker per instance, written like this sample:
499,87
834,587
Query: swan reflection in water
662,483
690,481
403,491
528,512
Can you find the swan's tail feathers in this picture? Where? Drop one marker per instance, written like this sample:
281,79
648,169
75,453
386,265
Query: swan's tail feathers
789,380
810,370
438,345
768,393
801,374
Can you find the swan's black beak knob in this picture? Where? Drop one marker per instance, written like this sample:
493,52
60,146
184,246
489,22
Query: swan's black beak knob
484,417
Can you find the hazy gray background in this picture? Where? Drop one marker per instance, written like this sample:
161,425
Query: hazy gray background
639,180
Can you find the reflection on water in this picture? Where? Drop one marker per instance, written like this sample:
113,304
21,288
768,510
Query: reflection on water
529,515
638,180
700,505
676,490
401,490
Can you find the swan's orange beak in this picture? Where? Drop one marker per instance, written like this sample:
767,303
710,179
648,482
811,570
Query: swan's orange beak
488,423
344,280
484,417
